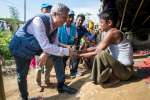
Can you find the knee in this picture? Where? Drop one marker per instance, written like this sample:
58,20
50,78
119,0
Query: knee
125,77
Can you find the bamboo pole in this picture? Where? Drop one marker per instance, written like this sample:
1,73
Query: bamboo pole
2,93
146,20
137,12
124,11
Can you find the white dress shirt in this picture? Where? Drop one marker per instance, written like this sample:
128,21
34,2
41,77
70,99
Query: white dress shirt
37,28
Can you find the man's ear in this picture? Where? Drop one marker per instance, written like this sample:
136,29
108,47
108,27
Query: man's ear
110,22
54,14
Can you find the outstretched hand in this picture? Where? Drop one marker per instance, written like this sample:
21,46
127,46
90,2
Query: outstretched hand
42,59
73,53
88,55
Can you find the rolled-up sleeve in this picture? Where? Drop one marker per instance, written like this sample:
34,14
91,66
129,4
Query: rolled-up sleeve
39,32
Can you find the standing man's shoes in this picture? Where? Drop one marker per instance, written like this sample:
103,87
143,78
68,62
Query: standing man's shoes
66,89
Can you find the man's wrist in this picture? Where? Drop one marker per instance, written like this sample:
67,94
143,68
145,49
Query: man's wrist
66,51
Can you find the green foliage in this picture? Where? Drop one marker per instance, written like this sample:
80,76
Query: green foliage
5,37
13,22
14,12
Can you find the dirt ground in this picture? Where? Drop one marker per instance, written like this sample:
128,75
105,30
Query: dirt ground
135,89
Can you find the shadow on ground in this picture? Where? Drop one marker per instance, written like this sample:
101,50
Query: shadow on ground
77,83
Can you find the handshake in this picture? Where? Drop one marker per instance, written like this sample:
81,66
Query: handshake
76,53
86,53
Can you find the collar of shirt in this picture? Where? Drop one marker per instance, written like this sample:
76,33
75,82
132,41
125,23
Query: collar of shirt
51,24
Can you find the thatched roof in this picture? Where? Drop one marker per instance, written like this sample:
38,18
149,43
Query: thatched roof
134,14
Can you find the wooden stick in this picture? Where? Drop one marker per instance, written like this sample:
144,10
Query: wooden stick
137,12
124,11
2,93
146,20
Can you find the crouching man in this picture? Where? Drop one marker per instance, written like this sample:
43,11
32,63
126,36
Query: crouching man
37,36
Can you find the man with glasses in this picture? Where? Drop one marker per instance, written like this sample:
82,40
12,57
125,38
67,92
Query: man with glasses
37,36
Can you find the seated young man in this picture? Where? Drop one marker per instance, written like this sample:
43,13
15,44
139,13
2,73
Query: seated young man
115,65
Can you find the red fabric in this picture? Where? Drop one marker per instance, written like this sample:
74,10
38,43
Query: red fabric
142,53
143,64
33,63
147,61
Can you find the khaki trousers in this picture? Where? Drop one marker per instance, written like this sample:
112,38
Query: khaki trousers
105,65
44,69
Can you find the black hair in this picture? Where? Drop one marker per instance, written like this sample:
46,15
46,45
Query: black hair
109,14
50,7
82,16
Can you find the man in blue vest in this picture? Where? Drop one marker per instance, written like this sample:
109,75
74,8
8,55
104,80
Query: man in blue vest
67,34
37,36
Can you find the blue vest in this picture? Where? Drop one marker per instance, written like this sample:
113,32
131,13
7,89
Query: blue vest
26,46
63,36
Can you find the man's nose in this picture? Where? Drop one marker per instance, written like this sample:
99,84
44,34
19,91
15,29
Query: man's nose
99,26
80,22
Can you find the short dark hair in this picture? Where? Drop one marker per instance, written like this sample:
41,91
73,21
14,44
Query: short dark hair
82,16
109,14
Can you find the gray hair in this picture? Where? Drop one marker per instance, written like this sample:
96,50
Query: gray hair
59,8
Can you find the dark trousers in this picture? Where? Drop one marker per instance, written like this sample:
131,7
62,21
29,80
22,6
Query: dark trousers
74,63
65,58
59,69
22,68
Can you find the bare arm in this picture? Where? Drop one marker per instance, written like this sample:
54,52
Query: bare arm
111,37
108,39
91,49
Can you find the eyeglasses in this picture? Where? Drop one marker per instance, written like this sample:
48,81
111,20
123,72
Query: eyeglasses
63,16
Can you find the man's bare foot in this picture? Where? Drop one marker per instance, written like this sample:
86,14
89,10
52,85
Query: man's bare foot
110,83
113,80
